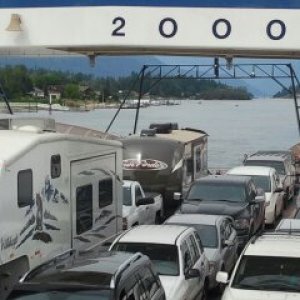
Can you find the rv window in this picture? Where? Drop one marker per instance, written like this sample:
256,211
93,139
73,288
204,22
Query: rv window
55,166
25,190
84,208
105,192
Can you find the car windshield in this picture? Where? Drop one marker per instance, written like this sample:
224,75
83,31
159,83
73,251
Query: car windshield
127,196
164,257
268,274
59,294
277,165
262,182
216,191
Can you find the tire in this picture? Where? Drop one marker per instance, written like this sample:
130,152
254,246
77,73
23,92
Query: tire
157,218
205,291
274,222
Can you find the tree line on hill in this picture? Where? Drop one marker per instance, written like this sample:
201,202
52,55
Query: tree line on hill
18,82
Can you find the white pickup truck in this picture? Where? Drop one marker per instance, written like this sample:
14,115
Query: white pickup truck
139,207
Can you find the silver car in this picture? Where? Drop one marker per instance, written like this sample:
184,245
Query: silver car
218,238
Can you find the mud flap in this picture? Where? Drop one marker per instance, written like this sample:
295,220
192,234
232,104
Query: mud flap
11,273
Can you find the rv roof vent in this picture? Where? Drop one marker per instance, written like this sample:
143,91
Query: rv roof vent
164,127
44,124
148,132
29,128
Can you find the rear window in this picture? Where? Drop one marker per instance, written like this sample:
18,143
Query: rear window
75,277
214,191
277,165
262,182
47,293
164,257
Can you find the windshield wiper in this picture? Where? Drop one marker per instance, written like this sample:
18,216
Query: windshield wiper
227,200
194,199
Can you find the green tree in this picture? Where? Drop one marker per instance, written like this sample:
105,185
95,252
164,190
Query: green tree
71,91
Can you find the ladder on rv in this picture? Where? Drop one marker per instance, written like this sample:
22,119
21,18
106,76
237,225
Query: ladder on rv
5,99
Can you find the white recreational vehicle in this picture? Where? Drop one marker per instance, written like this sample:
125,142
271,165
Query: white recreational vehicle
57,191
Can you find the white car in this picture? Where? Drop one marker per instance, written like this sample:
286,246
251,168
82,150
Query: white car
268,268
265,178
140,208
218,238
177,255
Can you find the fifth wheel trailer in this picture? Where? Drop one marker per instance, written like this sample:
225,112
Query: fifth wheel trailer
166,160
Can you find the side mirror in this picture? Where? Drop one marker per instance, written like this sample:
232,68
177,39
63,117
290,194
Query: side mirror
257,200
228,243
177,196
278,190
145,201
192,273
222,277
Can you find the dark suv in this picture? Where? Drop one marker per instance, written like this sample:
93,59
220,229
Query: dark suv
110,276
235,196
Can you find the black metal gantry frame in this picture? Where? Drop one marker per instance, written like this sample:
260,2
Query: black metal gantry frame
276,72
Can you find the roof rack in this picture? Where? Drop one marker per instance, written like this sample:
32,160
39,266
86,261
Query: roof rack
123,267
50,263
279,153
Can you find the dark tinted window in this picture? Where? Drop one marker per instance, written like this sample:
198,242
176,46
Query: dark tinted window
55,166
262,182
84,208
105,192
164,257
268,273
211,191
25,188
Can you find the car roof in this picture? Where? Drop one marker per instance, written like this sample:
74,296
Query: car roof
154,234
195,219
289,225
106,263
284,245
224,179
251,170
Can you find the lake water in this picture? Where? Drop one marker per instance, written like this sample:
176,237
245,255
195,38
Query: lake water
234,127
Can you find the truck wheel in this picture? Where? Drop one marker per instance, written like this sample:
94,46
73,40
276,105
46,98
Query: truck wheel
157,218
205,291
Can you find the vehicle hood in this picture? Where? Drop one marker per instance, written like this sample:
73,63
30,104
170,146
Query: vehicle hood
237,294
213,208
211,253
127,211
171,285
